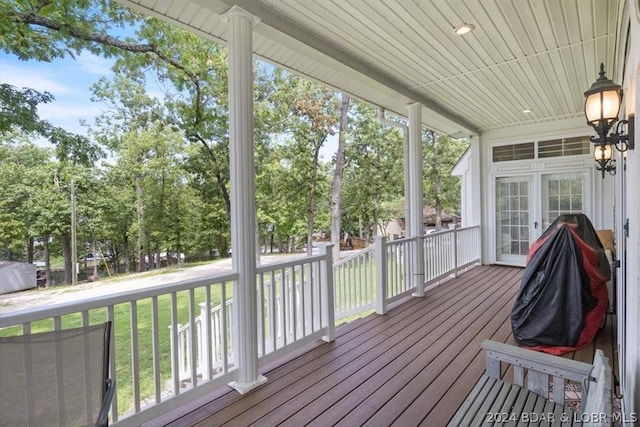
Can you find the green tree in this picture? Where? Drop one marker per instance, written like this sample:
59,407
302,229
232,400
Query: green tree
315,117
336,183
373,173
24,167
442,191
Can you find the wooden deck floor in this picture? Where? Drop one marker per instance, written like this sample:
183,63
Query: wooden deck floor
412,366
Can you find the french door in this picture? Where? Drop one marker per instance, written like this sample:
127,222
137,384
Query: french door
513,218
526,206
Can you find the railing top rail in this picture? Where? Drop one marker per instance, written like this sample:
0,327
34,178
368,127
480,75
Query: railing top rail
90,303
451,230
293,263
353,256
401,241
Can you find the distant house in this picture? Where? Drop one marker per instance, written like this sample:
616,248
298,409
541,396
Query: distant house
395,229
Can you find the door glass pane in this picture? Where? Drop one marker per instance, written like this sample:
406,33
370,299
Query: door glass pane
562,193
512,197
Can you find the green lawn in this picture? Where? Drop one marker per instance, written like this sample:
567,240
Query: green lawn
122,341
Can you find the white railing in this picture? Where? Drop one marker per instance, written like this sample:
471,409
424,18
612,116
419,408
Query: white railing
468,246
164,332
354,278
379,275
295,305
439,253
141,347
219,342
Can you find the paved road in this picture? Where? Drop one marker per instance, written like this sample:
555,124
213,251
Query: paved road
16,301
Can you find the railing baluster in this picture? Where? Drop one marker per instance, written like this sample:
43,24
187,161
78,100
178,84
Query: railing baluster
86,348
112,365
57,326
225,330
273,309
284,283
205,314
173,331
299,304
29,380
193,339
135,368
260,308
155,346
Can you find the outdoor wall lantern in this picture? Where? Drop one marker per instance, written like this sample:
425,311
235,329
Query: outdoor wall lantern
602,108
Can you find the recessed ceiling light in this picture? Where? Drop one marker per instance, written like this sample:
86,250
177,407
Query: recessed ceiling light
464,29
527,110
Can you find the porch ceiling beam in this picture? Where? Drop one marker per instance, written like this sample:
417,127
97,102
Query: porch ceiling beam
290,28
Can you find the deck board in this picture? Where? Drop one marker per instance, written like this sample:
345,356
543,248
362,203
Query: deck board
411,366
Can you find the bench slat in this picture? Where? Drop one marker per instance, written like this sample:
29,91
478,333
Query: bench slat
476,406
518,406
558,390
490,399
468,402
507,405
538,382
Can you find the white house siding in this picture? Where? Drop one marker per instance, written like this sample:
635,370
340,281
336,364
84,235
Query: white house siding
463,170
630,352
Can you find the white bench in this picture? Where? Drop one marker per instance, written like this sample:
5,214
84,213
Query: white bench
493,401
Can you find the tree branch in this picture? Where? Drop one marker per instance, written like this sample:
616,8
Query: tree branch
103,39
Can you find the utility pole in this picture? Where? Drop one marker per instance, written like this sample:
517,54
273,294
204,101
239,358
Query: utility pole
74,247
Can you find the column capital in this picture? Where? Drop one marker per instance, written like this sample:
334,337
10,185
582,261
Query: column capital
237,12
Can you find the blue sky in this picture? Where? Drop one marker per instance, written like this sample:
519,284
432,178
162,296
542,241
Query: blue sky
68,80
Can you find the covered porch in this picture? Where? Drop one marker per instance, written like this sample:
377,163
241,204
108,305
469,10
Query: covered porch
412,366
413,362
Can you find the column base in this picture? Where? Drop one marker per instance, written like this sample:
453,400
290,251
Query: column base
243,388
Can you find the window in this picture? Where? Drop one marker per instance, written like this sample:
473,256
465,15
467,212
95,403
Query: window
505,153
563,147
551,148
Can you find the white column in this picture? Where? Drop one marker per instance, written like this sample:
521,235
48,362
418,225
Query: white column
381,273
415,195
407,186
480,182
243,205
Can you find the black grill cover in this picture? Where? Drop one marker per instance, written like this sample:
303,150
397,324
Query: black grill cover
563,294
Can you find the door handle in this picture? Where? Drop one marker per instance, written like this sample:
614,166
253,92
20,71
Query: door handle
535,225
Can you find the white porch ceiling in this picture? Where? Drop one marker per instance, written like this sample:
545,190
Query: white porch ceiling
524,54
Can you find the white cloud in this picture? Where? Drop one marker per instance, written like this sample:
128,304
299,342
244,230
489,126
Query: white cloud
40,79
68,80
94,64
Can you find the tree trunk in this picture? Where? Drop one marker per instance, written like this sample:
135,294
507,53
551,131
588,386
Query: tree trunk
336,184
127,263
95,255
30,250
140,210
312,197
437,181
47,262
66,252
